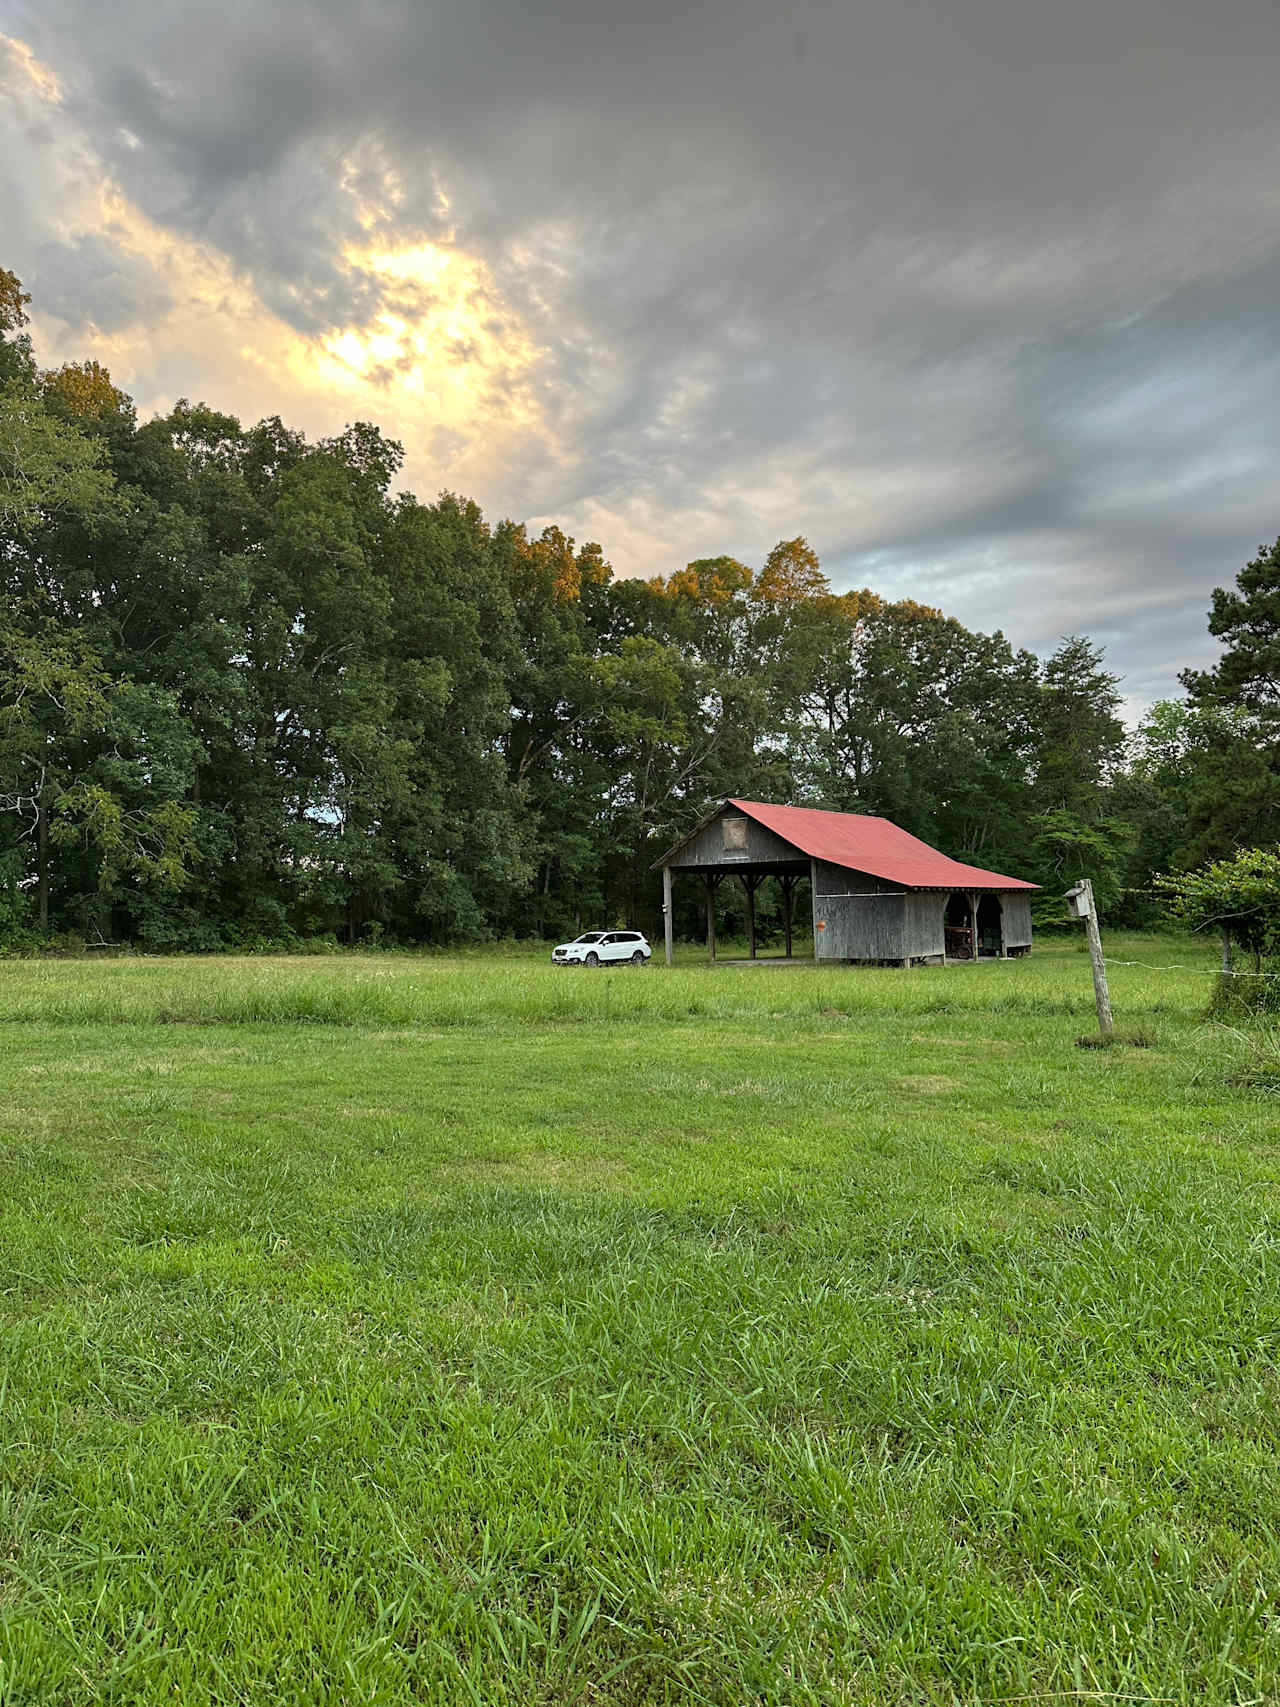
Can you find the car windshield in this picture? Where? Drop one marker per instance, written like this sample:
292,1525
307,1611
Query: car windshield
591,936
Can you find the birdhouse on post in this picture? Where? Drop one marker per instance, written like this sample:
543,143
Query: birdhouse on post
1079,900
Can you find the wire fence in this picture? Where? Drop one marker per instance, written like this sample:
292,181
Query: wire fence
1180,966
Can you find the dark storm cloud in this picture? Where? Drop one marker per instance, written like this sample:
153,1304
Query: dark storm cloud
980,294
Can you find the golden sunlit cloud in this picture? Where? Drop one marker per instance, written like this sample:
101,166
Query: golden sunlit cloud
436,357
442,339
21,60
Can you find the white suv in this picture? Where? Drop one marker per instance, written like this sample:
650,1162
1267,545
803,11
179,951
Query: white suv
594,948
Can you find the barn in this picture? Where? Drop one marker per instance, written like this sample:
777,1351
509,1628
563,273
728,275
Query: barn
878,893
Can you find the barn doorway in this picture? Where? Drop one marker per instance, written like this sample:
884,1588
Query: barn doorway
990,927
957,928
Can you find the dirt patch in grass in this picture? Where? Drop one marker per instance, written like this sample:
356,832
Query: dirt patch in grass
929,1084
547,1167
988,1045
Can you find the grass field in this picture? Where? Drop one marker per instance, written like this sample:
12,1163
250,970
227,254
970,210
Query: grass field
464,1331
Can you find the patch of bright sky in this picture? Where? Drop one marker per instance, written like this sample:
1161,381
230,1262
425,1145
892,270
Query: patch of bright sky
438,358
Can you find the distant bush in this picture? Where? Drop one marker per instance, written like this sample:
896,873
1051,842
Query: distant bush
1239,898
1238,994
33,945
1252,1056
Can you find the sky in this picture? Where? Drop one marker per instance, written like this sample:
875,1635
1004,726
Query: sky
980,296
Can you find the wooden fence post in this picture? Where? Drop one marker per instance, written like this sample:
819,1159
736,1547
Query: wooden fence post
1083,907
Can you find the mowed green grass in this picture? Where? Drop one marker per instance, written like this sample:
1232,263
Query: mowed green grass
453,1331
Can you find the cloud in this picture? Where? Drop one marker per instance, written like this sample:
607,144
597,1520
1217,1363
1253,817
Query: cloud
982,297
423,341
92,271
23,68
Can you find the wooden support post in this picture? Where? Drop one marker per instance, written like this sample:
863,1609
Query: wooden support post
788,895
1100,990
751,884
1226,950
711,916
1083,907
973,924
666,910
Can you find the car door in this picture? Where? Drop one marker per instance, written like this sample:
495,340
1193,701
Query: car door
611,948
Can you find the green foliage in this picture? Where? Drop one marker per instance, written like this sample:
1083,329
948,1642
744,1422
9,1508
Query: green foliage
1238,899
46,466
1234,783
1247,621
1240,896
1080,736
16,362
96,772
1063,849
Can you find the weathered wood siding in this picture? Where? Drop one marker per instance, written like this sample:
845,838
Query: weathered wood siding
759,846
839,880
869,920
1016,922
924,938
856,916
865,927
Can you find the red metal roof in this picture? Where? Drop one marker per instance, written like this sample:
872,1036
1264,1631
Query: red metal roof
873,845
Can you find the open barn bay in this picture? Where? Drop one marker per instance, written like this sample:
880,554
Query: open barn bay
382,1330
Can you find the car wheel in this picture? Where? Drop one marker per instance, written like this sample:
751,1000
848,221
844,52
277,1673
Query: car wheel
637,959
593,959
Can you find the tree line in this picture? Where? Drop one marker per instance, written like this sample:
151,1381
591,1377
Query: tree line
251,693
